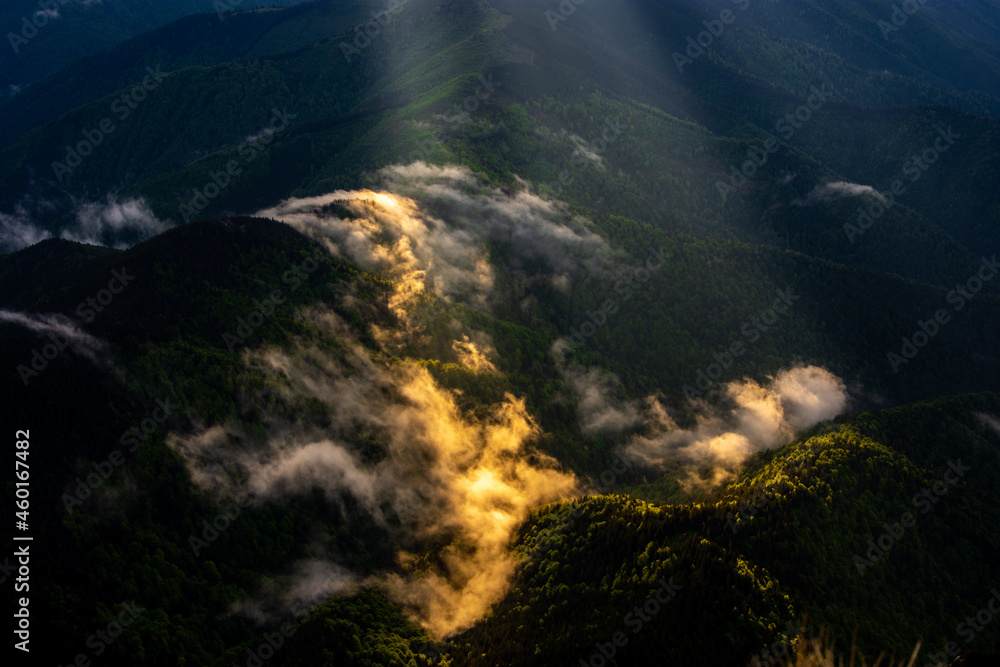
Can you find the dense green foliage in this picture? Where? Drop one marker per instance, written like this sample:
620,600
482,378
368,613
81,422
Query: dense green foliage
777,545
42,46
674,137
588,563
525,104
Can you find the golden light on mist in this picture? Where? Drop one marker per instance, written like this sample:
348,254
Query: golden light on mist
471,356
458,483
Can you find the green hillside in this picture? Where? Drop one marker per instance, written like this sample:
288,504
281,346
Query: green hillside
779,545
166,334
503,332
45,37
673,141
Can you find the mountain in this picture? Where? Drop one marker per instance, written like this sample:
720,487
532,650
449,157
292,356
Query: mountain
197,40
754,560
47,35
167,333
504,332
360,114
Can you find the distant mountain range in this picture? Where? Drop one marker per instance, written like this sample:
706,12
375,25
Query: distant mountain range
505,332
44,36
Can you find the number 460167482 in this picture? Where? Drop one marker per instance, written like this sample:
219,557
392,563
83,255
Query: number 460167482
21,468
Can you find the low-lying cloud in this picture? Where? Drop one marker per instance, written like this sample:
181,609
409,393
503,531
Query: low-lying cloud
990,421
441,480
18,230
429,231
760,417
836,190
53,325
600,406
112,222
756,417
